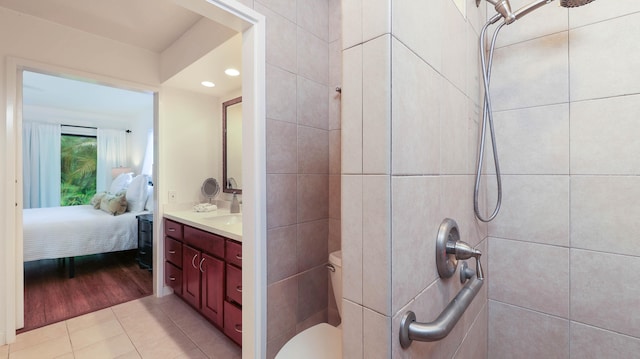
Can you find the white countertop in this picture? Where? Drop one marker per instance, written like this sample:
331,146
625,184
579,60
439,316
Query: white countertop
206,222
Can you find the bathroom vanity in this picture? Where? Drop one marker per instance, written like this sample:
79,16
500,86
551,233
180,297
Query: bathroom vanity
203,265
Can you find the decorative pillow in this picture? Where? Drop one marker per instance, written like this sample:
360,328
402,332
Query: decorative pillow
137,193
114,204
95,201
121,182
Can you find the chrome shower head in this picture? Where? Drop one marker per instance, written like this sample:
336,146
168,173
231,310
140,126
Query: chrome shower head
574,3
503,7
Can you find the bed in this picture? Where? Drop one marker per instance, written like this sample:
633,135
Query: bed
109,224
68,232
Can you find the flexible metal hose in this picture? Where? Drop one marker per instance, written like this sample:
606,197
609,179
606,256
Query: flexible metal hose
487,116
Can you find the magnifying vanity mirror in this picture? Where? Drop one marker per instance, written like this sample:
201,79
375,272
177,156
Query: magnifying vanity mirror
232,146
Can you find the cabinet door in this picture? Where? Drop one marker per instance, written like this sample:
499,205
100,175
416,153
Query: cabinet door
233,322
191,275
212,288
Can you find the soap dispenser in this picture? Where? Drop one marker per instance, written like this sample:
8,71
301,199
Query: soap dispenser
235,206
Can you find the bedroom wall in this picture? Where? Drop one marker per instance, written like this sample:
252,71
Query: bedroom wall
190,133
34,39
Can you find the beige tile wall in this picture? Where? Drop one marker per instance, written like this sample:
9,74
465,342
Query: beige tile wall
409,121
303,162
566,85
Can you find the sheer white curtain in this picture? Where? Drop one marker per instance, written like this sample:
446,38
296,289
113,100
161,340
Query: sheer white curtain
147,164
112,152
41,164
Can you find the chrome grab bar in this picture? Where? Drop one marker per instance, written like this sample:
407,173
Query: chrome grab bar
411,330
449,249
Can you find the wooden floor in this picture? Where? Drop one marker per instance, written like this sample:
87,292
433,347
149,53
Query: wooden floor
100,281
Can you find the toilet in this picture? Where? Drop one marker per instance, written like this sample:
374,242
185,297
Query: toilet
322,341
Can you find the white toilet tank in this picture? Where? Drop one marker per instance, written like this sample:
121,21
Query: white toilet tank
335,259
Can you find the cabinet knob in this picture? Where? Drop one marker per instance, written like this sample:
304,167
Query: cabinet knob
172,229
238,328
172,278
239,257
172,252
239,288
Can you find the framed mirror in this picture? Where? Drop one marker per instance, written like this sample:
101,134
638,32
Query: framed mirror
232,146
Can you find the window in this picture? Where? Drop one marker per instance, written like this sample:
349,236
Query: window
78,169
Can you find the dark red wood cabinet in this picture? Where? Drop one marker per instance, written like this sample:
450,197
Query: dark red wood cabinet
205,270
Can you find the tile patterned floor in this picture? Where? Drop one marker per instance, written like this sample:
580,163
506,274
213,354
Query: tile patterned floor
145,328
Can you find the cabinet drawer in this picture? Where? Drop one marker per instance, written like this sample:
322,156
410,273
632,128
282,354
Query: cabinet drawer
172,229
173,251
233,322
234,284
205,241
234,253
173,277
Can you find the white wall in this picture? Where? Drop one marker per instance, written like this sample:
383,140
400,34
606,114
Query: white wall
190,131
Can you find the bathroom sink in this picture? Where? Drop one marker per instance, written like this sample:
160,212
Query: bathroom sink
226,220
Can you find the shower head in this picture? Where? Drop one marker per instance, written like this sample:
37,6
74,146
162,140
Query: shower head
574,3
503,7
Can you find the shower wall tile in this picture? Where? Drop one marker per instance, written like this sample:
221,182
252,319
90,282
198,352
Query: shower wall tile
335,21
351,23
456,201
604,136
286,8
281,200
416,216
312,244
334,235
589,342
313,150
601,209
530,275
455,153
454,49
529,27
534,208
335,141
281,244
313,57
419,25
517,333
376,18
312,104
352,237
416,101
376,116
334,196
335,67
376,243
282,154
531,73
602,65
352,330
281,40
352,111
378,334
601,295
313,16
281,87
313,197
474,85
533,140
476,15
474,345
601,10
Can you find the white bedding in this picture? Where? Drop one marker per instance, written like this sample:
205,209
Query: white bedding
60,232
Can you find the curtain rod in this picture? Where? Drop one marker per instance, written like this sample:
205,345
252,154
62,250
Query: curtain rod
93,128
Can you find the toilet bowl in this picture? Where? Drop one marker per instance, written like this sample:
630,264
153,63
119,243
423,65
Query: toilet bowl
322,341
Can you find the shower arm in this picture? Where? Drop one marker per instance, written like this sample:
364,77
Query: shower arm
503,7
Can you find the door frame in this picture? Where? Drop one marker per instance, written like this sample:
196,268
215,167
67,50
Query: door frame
252,25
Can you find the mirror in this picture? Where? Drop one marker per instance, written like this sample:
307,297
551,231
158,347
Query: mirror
210,188
232,146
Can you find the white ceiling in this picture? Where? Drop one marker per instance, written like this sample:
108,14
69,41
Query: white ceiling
150,24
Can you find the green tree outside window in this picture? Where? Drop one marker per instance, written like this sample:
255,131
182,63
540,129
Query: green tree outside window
79,159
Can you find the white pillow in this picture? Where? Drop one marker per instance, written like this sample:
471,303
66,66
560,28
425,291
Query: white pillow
149,204
137,193
121,182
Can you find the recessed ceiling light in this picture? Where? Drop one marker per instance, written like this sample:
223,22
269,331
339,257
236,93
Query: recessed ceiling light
232,72
208,84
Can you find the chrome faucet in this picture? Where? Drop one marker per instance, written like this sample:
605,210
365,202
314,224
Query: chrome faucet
235,205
